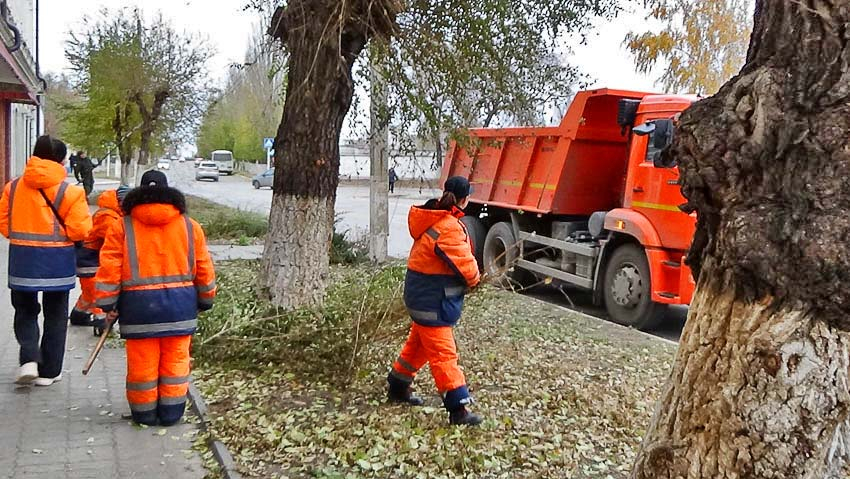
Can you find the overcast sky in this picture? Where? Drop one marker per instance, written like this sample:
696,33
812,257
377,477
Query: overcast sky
228,28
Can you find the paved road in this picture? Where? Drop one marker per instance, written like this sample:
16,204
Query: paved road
74,428
352,205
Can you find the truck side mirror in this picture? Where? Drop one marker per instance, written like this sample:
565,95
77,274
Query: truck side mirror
643,130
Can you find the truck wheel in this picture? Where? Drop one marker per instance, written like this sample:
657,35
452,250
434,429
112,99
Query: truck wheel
500,255
478,234
627,292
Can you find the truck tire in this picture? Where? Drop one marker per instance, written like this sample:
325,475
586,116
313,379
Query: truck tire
478,234
500,255
627,290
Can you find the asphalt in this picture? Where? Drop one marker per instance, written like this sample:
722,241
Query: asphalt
352,203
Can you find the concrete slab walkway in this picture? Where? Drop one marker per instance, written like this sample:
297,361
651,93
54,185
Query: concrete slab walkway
74,429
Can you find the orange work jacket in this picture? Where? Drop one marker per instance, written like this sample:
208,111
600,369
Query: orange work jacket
41,250
105,218
155,268
440,268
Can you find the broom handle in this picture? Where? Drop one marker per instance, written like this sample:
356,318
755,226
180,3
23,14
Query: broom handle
100,343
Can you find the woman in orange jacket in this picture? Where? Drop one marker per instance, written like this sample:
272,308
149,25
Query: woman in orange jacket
440,269
86,312
43,217
156,272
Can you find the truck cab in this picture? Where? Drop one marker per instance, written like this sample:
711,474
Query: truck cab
589,203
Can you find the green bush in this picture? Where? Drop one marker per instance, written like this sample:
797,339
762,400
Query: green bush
224,223
345,251
363,307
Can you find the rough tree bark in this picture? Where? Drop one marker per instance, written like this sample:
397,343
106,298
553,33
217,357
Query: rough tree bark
760,384
324,38
150,118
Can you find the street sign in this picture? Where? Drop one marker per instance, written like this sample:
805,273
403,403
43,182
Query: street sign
268,143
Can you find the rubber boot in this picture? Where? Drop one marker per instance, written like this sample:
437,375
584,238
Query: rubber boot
462,417
400,392
80,318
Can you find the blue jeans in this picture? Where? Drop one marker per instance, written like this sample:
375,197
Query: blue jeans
51,352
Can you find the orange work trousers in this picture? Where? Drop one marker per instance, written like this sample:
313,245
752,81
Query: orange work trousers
86,303
158,379
435,346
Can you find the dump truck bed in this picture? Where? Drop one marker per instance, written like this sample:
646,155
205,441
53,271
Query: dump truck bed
576,168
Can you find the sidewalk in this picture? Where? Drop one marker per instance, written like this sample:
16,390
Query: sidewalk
74,429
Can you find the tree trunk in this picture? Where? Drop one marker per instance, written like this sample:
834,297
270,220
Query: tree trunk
324,39
127,173
150,119
760,384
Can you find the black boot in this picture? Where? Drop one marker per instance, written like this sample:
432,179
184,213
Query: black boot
462,417
400,391
404,397
80,318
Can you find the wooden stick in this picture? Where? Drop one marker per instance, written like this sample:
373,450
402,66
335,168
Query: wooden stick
100,343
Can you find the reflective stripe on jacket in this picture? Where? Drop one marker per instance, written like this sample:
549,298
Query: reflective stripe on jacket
41,251
155,268
88,257
440,268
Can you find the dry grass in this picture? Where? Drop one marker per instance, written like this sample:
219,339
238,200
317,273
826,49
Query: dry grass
563,396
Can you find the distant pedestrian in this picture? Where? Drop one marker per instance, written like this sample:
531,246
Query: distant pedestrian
393,177
86,168
440,269
43,216
75,166
155,275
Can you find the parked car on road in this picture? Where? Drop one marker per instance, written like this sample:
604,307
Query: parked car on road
198,162
224,160
163,164
263,179
207,170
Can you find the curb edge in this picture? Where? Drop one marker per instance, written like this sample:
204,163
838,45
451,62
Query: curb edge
607,322
219,450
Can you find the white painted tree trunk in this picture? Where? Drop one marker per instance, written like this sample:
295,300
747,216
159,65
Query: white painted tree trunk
127,174
296,258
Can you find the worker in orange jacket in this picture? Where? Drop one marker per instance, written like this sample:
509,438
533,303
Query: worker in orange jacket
86,312
440,269
156,273
43,216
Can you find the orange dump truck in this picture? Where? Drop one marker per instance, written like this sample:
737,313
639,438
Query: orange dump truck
589,203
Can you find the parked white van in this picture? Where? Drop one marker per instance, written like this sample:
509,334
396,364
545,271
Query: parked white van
224,160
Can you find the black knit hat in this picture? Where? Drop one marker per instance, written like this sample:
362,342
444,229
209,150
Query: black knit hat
154,178
459,186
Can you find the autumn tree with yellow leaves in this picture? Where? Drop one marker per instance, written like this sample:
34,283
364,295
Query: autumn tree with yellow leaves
701,45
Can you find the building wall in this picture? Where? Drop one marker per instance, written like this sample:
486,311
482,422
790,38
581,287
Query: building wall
5,173
23,14
22,133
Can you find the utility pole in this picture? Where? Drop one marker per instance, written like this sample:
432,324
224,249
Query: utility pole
379,134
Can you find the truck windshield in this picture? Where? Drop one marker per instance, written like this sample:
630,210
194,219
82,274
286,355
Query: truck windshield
222,157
